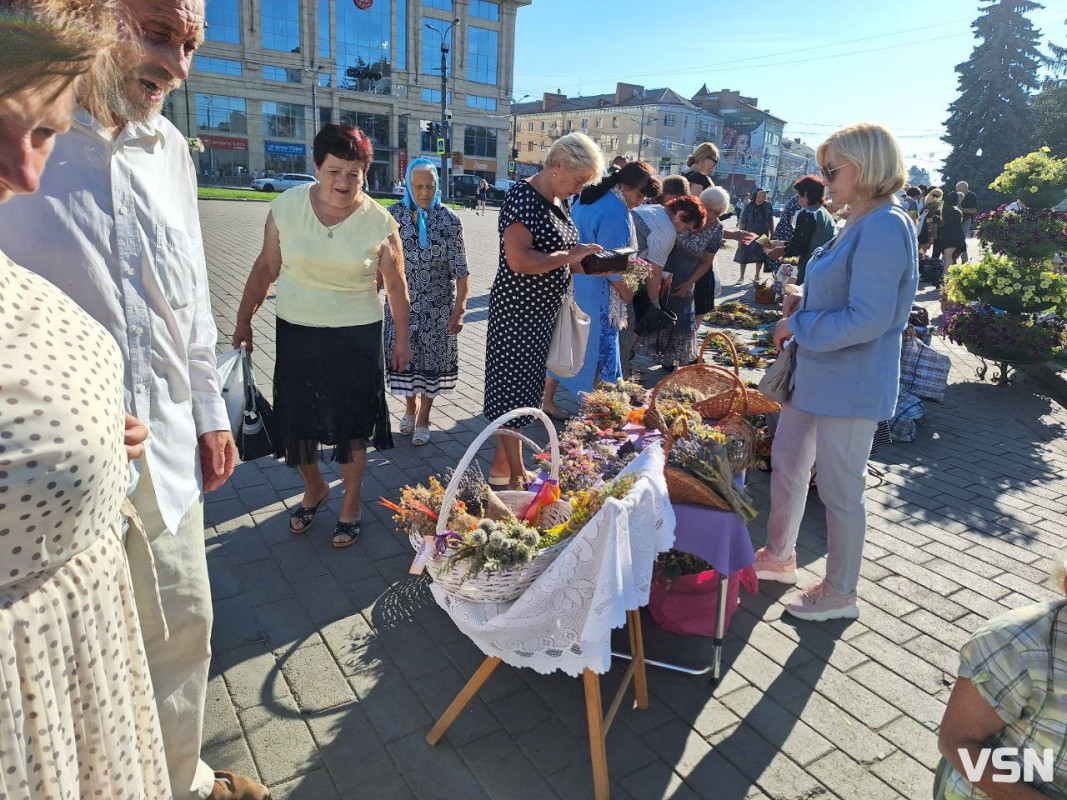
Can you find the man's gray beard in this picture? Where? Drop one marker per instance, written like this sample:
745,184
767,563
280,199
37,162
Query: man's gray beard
118,100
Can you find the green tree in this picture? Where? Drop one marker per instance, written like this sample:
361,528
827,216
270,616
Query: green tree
917,176
991,122
1050,104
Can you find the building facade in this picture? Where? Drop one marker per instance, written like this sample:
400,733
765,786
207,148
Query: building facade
654,125
272,72
751,141
797,160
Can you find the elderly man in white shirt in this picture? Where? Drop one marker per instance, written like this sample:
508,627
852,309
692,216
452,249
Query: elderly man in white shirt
123,240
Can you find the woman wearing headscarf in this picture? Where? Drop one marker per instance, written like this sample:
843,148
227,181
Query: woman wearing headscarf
435,264
602,216
757,218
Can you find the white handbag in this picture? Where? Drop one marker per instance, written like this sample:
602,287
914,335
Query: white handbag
232,374
566,352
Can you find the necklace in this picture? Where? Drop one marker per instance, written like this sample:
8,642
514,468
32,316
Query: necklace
329,230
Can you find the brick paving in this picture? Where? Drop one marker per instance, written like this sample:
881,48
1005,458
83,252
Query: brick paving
330,666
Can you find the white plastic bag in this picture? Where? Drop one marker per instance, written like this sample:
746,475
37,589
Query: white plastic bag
233,386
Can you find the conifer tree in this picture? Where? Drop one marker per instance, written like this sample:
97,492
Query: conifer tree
990,123
1050,104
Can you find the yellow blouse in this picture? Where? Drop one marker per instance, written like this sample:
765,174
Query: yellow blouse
328,281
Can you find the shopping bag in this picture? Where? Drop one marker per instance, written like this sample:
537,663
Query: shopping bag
258,433
231,371
689,604
923,370
777,381
566,351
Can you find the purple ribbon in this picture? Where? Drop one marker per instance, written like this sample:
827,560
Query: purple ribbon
441,540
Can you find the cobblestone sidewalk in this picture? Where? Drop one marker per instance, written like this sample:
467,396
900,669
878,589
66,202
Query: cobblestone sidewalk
330,666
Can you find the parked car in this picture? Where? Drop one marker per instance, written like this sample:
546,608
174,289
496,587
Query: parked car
503,185
778,208
465,185
279,183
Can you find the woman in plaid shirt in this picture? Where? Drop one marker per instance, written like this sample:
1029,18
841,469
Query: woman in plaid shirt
1011,692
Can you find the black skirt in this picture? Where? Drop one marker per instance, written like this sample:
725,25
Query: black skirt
704,293
329,388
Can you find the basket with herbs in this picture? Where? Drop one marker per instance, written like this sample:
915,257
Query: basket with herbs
488,546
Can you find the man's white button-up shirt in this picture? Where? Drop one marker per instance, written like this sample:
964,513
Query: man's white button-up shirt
115,226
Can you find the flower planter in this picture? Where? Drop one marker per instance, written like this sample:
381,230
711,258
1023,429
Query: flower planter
1009,354
1014,305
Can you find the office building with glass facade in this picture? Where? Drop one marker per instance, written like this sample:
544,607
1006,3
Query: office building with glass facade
271,73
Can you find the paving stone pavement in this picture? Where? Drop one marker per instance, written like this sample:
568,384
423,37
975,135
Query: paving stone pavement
329,668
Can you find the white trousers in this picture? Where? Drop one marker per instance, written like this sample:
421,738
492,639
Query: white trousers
179,665
842,446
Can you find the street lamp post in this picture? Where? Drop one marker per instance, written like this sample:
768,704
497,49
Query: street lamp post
446,189
515,134
314,71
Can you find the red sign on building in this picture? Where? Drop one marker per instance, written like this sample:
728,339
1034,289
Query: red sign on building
224,143
401,162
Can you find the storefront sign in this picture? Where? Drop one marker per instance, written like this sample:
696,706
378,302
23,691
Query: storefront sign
224,143
402,161
285,149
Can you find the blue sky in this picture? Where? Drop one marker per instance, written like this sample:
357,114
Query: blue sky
841,62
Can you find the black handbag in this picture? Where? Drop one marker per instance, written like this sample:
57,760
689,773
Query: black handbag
655,320
258,430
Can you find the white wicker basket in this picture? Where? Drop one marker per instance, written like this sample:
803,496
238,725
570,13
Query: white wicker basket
503,586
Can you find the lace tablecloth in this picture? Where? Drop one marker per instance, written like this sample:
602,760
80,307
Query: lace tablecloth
564,620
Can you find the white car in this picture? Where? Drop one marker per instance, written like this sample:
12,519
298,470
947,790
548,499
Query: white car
279,183
503,185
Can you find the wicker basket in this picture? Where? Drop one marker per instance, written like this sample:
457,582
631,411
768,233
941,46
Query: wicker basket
751,401
684,488
503,586
720,388
739,428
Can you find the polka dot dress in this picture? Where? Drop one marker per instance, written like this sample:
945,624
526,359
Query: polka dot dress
523,308
77,716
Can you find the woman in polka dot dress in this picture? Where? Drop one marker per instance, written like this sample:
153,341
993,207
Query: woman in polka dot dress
539,250
77,714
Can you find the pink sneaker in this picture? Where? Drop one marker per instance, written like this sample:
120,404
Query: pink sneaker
821,602
767,569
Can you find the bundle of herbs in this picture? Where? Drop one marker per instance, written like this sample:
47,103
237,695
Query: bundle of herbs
704,454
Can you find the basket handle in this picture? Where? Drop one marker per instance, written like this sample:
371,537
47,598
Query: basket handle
729,344
479,440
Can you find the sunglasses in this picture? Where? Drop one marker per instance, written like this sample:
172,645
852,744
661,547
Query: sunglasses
828,172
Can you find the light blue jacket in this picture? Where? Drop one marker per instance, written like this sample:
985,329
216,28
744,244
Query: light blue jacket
857,299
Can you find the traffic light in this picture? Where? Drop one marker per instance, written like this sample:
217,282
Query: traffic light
514,153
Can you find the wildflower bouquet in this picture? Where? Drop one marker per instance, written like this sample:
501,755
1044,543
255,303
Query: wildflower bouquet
1030,233
637,272
586,503
1038,179
496,546
1004,337
1006,283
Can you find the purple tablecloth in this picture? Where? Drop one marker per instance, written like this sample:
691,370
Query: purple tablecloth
719,537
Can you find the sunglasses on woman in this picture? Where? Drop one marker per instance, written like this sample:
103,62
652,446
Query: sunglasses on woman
828,171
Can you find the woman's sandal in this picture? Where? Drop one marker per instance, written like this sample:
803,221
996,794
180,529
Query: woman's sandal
407,425
421,437
306,516
350,530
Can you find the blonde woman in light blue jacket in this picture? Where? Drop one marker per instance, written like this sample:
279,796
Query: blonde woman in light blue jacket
847,329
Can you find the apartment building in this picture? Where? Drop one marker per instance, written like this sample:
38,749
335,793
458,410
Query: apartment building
272,72
654,125
751,141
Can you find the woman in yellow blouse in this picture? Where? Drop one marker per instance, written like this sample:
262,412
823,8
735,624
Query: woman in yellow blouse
324,244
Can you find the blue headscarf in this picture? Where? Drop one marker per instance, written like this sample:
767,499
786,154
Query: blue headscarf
409,198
